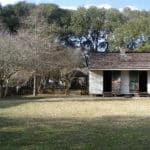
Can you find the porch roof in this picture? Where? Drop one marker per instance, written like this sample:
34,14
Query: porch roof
118,61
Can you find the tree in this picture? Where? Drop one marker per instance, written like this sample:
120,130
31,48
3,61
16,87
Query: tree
80,22
9,58
70,60
113,19
11,15
131,34
58,19
37,54
38,46
133,14
88,29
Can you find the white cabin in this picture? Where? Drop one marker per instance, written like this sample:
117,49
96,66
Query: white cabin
119,73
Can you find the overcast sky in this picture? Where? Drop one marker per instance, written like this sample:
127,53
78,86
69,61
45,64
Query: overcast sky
73,4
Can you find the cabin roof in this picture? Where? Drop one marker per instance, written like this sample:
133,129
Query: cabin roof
119,61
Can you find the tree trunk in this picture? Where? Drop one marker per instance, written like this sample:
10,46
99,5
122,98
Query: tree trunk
6,88
39,86
17,89
34,84
1,88
1,91
6,91
67,90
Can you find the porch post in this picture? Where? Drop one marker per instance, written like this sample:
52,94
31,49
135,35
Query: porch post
124,89
148,82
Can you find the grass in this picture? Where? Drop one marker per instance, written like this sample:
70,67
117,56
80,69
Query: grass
31,97
73,125
42,96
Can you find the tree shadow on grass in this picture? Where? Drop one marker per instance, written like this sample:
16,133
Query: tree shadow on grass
18,100
7,103
10,103
106,133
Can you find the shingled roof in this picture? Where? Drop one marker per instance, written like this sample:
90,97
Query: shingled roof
112,61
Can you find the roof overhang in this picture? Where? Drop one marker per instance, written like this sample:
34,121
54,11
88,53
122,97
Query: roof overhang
140,69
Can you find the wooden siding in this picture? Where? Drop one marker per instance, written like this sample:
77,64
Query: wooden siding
148,82
96,82
125,82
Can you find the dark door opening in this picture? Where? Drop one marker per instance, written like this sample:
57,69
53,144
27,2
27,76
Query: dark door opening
107,84
134,81
142,81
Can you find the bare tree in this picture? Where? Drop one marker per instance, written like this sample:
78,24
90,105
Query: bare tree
33,41
69,60
9,59
33,49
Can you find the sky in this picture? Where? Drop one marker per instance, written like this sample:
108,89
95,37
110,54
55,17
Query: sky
73,4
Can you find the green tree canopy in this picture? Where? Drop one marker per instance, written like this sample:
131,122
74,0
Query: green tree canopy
130,31
11,15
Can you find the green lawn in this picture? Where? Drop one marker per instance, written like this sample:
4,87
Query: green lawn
87,125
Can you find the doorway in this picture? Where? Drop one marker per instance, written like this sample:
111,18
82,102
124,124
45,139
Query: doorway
107,84
142,81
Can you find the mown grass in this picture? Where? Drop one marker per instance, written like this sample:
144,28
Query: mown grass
104,125
41,96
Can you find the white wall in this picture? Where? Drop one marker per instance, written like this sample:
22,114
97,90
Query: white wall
125,89
148,82
95,82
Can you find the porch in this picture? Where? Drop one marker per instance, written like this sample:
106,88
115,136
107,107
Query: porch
119,82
